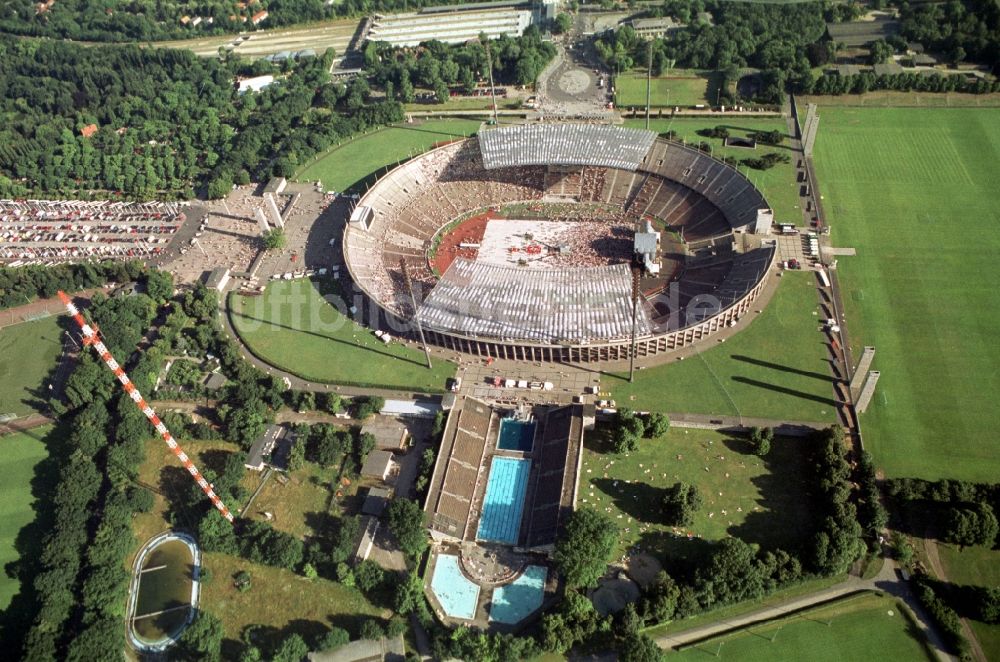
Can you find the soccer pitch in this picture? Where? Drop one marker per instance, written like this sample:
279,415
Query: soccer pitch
914,191
677,88
30,350
857,628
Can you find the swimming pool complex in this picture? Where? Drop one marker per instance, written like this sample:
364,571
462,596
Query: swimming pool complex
458,596
504,500
516,435
513,602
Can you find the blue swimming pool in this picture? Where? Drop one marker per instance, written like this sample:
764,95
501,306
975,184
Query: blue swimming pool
516,435
504,500
458,596
513,602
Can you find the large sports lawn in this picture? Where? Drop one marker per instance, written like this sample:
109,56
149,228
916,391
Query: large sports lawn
677,88
294,328
761,501
915,192
21,452
975,566
28,352
350,164
775,368
865,627
778,183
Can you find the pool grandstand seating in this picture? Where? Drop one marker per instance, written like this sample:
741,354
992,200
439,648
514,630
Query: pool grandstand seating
557,463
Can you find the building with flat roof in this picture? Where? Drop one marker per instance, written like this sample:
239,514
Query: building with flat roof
218,279
271,449
390,434
652,28
376,501
378,464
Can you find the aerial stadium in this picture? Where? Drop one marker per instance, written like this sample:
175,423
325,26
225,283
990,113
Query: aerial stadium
529,241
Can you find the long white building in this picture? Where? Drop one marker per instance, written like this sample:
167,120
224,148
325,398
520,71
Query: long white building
459,23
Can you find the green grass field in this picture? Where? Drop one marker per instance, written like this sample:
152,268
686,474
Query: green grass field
350,164
864,627
976,566
21,452
679,88
28,351
743,495
778,183
914,191
775,368
293,327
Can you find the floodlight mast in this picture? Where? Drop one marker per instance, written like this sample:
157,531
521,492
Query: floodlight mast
91,337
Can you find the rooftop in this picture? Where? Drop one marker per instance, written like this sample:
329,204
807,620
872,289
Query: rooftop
573,304
565,144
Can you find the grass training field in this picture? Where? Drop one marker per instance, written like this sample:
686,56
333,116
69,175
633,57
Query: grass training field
348,165
743,495
778,183
279,599
914,191
976,566
294,328
775,368
863,627
678,88
29,351
21,452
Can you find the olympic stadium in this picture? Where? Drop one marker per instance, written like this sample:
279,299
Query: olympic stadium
528,241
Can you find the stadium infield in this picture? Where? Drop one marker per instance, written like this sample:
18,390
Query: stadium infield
347,166
292,327
860,627
914,191
776,368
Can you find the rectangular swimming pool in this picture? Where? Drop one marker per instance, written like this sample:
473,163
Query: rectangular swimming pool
504,500
516,435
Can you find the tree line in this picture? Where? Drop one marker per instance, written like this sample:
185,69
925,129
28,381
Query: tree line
21,285
169,123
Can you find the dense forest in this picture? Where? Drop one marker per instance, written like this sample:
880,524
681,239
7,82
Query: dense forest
438,66
166,122
148,20
957,30
771,37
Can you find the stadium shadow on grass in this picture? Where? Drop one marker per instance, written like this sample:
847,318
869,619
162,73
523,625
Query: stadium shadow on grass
785,391
325,337
782,368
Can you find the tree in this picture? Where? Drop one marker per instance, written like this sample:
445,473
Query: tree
274,239
629,621
216,534
333,638
202,639
640,648
242,581
680,502
409,594
219,187
366,406
660,600
246,423
292,649
371,628
879,51
406,521
957,55
328,402
624,441
760,440
369,575
971,524
297,456
657,425
562,23
582,552
159,285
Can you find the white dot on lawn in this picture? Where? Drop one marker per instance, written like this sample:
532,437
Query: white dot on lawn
890,613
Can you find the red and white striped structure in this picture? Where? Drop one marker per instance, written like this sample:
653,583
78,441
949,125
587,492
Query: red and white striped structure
91,337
